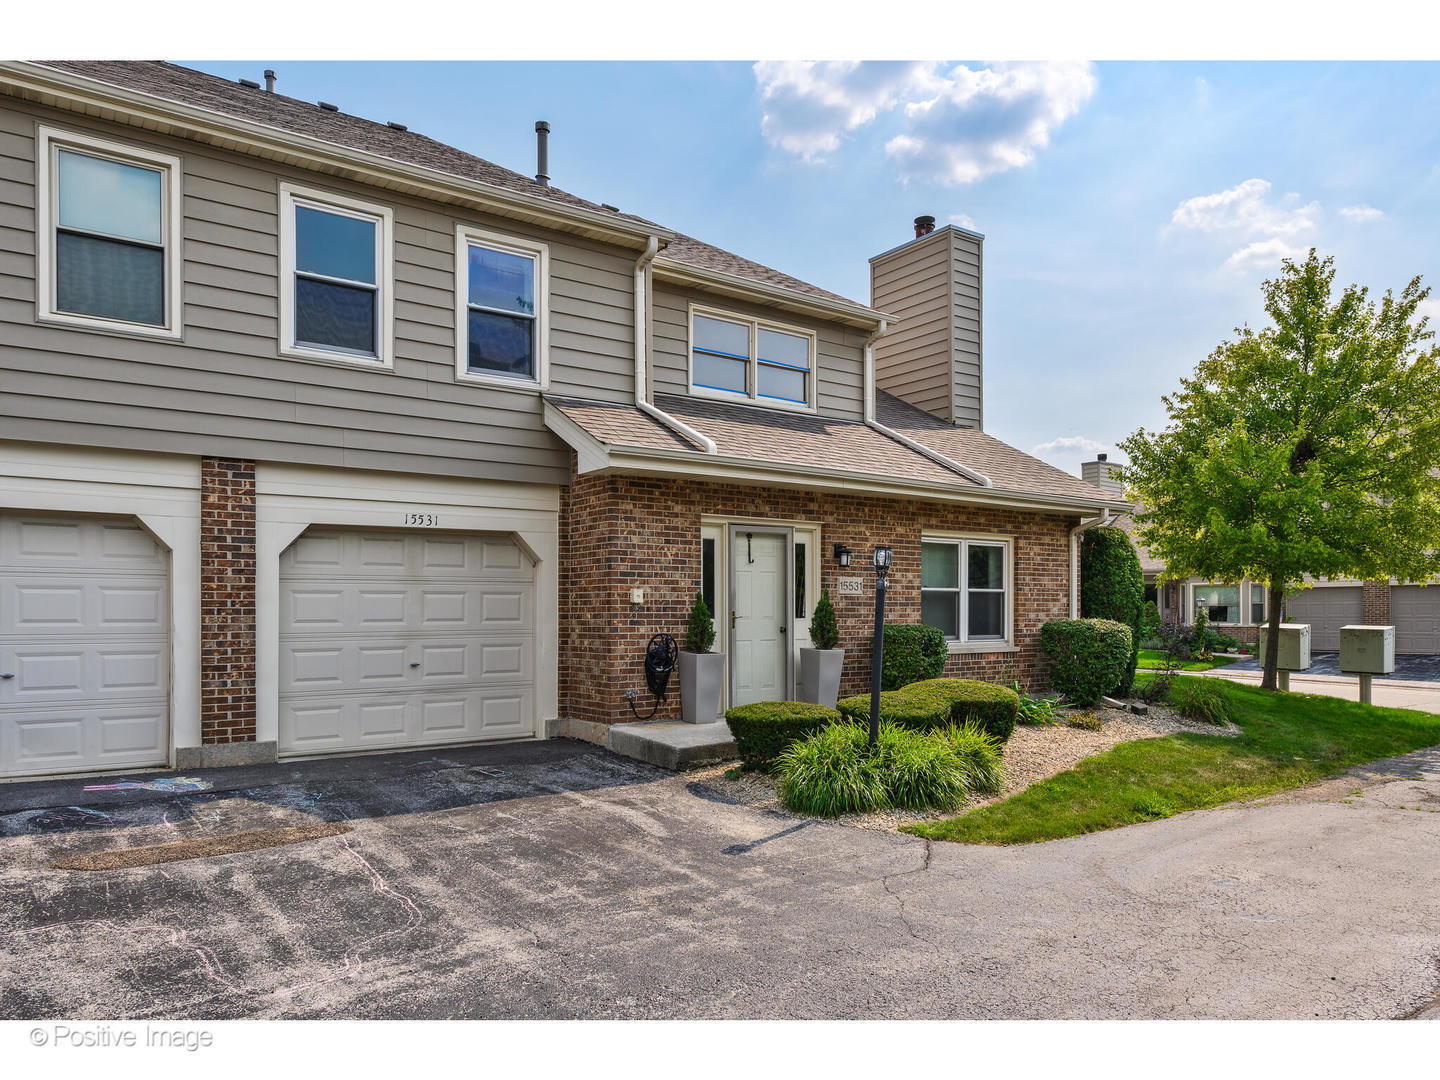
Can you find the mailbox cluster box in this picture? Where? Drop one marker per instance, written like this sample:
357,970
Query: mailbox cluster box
1367,650
1294,646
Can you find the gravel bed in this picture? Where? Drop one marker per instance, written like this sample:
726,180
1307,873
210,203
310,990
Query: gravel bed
1031,754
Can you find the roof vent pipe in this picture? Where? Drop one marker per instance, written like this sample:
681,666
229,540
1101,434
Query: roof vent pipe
269,80
924,226
542,153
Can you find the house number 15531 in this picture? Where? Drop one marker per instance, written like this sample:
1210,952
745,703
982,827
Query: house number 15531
422,519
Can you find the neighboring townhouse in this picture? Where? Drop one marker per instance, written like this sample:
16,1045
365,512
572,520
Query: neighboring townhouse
317,435
1239,609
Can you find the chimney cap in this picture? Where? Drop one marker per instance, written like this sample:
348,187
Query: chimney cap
542,125
924,225
1102,457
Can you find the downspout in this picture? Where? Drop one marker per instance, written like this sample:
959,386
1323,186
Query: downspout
1085,523
642,323
903,440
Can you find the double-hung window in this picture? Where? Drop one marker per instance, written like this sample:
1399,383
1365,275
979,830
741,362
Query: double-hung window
335,278
965,588
1257,603
736,358
109,245
501,322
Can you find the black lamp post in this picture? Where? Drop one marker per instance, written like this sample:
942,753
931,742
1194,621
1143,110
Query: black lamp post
883,556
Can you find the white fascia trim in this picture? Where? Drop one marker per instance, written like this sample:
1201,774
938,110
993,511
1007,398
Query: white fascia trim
687,273
98,97
642,353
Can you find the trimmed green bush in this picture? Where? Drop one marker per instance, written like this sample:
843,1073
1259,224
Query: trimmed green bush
834,771
824,629
1112,586
937,703
1090,656
912,652
700,632
765,729
1150,621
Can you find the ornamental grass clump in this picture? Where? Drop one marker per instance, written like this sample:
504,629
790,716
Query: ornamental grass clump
981,753
832,772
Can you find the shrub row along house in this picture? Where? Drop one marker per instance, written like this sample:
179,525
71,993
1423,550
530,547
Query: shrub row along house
1239,609
319,436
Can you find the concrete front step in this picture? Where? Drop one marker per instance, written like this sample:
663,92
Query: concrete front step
673,744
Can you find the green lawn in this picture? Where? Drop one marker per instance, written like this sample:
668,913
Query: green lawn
1287,740
1153,658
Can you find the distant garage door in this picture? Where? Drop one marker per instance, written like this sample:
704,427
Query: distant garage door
1415,611
1326,609
84,645
404,639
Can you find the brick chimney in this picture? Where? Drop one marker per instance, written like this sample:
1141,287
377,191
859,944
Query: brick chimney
931,357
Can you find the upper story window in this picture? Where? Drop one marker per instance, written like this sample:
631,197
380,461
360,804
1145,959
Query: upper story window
738,358
335,256
965,588
501,327
108,254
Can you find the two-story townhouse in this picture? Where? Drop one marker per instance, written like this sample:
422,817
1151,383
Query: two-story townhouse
317,436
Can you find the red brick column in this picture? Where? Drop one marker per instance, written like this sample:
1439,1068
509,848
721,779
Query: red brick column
227,600
1375,603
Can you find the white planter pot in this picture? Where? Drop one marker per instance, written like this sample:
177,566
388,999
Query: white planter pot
702,675
820,675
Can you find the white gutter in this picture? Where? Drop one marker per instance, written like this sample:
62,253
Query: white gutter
1087,523
642,323
905,440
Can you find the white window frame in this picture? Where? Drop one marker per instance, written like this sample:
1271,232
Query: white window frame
965,643
292,196
1256,589
752,394
1241,601
466,235
49,142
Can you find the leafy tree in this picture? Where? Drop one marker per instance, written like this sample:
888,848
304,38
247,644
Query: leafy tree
824,630
1112,586
700,633
1310,446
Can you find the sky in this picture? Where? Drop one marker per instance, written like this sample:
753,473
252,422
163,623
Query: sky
1130,210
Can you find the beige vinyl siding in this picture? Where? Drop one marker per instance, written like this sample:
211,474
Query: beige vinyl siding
226,390
912,360
966,337
840,363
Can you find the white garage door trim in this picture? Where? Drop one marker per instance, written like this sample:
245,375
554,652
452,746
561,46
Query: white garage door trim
1339,605
292,498
162,493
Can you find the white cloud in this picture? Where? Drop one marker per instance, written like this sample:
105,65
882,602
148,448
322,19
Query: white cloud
1264,254
1361,213
1246,208
957,125
1430,309
1246,212
965,221
1068,452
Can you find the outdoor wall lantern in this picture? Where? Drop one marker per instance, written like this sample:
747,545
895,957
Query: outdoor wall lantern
842,555
883,558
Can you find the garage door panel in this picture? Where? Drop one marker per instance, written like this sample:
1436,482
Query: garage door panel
1326,609
1415,611
403,639
84,618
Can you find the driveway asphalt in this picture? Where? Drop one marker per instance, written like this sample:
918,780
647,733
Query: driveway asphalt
557,880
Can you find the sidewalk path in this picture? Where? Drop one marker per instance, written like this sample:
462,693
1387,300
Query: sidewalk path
1392,693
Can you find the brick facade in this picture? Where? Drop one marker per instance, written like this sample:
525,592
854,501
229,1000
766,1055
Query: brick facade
227,600
1375,603
622,532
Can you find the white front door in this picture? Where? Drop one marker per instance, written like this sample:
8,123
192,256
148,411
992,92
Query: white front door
759,636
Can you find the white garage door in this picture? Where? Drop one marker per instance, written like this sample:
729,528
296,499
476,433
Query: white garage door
1326,610
1415,611
404,639
84,649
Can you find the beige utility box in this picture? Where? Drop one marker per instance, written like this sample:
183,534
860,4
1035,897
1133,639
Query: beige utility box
1294,646
1367,650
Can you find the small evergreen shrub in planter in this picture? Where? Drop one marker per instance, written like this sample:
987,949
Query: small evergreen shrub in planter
765,729
912,652
822,664
702,673
1090,655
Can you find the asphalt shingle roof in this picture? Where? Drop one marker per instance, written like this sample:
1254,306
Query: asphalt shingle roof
202,90
1006,466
